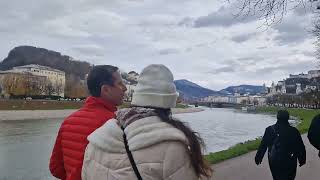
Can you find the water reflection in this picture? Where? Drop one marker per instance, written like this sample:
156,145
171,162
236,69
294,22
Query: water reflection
25,148
222,128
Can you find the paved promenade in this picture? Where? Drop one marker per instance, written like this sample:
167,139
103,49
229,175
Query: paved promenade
244,168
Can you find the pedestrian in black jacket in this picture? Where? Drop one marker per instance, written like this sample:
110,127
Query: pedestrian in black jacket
314,132
285,146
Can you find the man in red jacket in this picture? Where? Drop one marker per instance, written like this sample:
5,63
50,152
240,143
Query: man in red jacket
107,92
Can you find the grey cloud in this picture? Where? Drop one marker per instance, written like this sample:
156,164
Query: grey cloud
189,49
262,47
201,45
309,53
287,68
240,62
251,59
293,30
304,10
168,51
288,36
237,65
224,69
231,62
187,22
244,61
242,38
89,50
223,17
229,15
267,70
18,15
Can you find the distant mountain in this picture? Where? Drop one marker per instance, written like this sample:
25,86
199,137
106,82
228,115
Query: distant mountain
191,90
243,89
24,55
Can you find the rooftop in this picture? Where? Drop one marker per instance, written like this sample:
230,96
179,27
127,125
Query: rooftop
37,66
12,71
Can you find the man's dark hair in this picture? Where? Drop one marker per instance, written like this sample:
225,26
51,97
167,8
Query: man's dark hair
283,115
98,76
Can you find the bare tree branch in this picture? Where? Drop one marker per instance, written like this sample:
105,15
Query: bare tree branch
271,11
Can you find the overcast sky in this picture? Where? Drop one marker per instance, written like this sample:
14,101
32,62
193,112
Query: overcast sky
199,40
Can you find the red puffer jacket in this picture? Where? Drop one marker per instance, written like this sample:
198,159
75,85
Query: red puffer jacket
67,155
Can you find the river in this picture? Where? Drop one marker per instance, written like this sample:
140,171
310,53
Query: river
25,146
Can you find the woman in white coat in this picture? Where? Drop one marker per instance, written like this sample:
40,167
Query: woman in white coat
144,141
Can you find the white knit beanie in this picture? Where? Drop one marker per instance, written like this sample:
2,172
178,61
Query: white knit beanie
155,88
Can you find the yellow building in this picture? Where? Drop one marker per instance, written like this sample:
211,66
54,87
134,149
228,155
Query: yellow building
55,78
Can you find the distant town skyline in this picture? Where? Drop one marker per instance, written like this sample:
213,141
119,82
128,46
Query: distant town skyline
201,41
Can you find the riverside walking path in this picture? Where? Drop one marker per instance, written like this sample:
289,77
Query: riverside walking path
244,167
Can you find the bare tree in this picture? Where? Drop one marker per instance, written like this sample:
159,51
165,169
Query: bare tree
70,84
27,84
272,11
316,33
14,84
50,89
9,84
59,87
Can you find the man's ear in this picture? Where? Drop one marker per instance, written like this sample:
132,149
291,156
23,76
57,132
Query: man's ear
105,89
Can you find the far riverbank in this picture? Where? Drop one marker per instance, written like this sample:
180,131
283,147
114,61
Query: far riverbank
61,114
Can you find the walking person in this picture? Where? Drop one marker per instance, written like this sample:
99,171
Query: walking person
107,92
314,133
285,147
145,141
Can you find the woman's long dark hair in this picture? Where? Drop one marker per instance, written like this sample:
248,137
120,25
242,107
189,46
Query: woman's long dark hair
196,143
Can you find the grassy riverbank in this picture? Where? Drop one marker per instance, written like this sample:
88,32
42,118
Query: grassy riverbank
304,115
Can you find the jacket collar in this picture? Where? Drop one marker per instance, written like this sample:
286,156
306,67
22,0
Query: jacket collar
95,102
283,123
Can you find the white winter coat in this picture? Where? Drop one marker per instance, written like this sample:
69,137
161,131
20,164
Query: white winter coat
159,150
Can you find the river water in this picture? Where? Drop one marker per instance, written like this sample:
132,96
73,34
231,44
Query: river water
25,146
